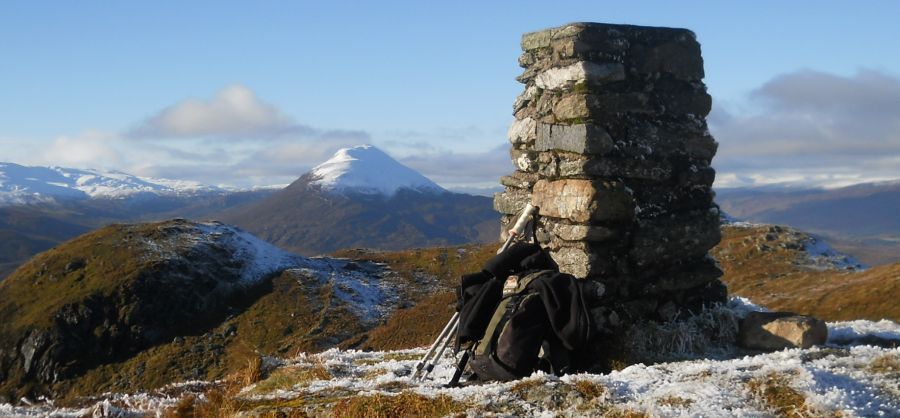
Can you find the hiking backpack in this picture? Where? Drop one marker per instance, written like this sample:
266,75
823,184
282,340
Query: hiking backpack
520,314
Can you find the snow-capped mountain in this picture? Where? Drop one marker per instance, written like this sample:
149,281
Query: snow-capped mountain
24,185
363,198
366,169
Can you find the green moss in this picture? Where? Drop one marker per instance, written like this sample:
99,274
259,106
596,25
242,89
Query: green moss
580,87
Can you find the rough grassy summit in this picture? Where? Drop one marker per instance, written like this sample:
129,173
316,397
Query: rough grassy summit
109,296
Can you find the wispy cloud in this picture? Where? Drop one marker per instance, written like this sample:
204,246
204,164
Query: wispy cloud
812,128
234,112
234,138
454,170
89,149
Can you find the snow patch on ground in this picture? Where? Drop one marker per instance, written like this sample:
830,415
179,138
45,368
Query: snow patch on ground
361,286
848,331
823,257
258,258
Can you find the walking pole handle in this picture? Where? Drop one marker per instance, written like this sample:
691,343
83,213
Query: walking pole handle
519,227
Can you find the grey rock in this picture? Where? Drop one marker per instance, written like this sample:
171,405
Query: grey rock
580,138
511,201
583,200
578,232
670,239
31,349
520,180
582,72
619,163
649,50
770,331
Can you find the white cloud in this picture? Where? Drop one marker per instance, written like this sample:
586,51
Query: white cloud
91,149
813,129
234,112
454,170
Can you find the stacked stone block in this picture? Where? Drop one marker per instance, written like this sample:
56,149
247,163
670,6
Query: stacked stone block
610,141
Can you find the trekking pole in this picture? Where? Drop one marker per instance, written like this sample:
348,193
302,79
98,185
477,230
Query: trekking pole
519,227
447,329
444,346
460,368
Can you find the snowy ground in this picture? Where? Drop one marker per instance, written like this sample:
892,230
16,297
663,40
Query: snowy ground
839,379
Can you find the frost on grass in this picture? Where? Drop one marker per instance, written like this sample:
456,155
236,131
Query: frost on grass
710,333
834,380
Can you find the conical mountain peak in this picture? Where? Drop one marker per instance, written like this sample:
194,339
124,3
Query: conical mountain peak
367,169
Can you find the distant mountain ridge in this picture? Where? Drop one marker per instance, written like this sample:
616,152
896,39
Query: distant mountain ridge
362,198
863,215
28,185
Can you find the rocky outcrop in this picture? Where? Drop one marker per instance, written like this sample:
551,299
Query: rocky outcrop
610,141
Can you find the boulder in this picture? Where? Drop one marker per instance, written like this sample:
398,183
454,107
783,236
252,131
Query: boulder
771,331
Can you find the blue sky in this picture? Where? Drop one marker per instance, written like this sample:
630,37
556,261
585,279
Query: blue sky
805,92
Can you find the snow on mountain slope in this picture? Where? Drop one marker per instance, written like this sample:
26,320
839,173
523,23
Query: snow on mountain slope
831,380
23,184
366,169
359,287
817,254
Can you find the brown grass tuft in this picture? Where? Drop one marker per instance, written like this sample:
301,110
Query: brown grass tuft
522,387
624,413
590,390
774,391
888,363
406,404
219,404
253,372
183,409
675,401
288,377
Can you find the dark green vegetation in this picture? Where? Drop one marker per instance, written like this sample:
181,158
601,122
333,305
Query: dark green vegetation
860,220
303,219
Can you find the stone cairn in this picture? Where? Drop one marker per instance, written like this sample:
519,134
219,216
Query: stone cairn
610,142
